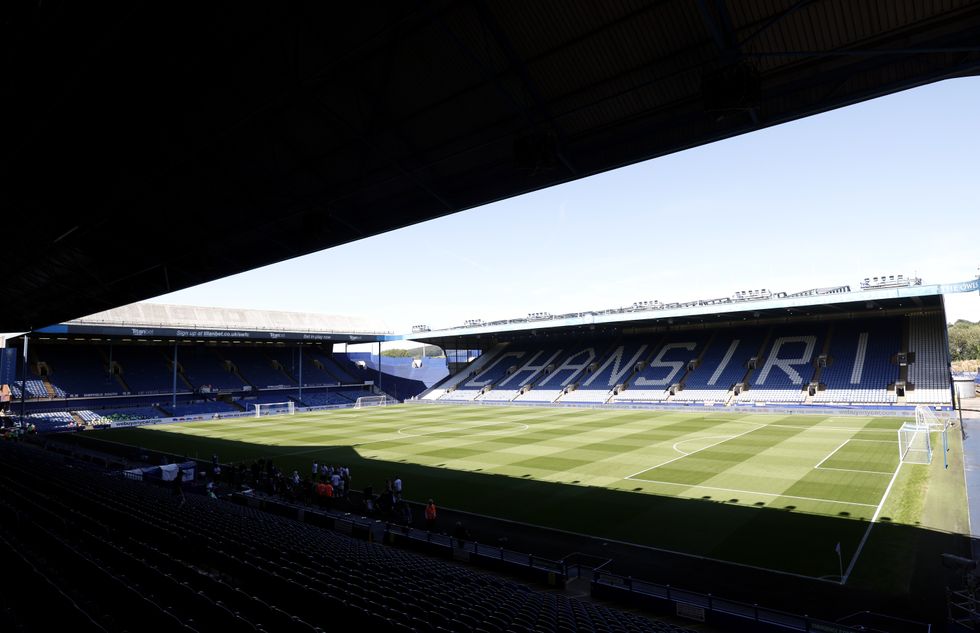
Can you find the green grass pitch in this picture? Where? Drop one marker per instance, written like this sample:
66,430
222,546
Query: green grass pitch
774,491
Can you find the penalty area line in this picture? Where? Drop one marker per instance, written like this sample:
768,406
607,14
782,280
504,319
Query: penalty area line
833,452
867,533
820,465
754,492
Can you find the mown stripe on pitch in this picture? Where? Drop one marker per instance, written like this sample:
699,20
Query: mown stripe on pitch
706,464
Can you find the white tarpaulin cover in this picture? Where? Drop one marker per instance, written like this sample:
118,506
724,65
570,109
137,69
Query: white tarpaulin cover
168,472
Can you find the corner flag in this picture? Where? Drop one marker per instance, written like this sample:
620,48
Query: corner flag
837,547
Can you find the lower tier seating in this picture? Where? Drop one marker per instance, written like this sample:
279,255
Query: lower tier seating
133,556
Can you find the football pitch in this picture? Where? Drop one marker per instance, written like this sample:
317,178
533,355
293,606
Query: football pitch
772,491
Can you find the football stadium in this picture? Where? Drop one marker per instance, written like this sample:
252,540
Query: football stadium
791,459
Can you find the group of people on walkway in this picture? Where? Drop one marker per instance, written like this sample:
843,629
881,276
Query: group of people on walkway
327,486
329,482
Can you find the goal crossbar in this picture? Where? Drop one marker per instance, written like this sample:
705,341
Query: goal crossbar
371,401
274,408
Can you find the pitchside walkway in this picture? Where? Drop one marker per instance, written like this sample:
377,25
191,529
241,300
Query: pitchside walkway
971,463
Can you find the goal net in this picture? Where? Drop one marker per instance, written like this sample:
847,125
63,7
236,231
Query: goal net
275,408
371,401
914,444
931,419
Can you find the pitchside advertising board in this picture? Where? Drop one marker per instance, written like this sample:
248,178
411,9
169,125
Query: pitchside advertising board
8,365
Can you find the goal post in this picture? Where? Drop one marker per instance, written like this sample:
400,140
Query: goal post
275,408
930,418
914,443
371,401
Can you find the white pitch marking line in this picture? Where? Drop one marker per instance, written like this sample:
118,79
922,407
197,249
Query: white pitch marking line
852,470
753,492
727,438
703,437
864,539
832,452
776,425
820,465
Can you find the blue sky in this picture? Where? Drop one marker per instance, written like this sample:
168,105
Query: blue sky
887,186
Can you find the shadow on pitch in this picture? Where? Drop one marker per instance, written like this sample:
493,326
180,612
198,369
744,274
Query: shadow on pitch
689,543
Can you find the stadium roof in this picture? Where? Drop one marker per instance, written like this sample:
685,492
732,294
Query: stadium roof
149,320
825,303
149,148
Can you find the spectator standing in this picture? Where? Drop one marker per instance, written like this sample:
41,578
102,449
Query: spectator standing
461,534
430,516
178,487
404,513
345,474
396,487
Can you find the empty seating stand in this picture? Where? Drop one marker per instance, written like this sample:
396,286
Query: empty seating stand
861,369
786,368
929,374
611,370
133,558
665,368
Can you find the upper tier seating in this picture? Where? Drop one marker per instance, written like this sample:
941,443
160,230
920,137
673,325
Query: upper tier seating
202,367
318,369
256,367
145,369
77,370
343,368
315,368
